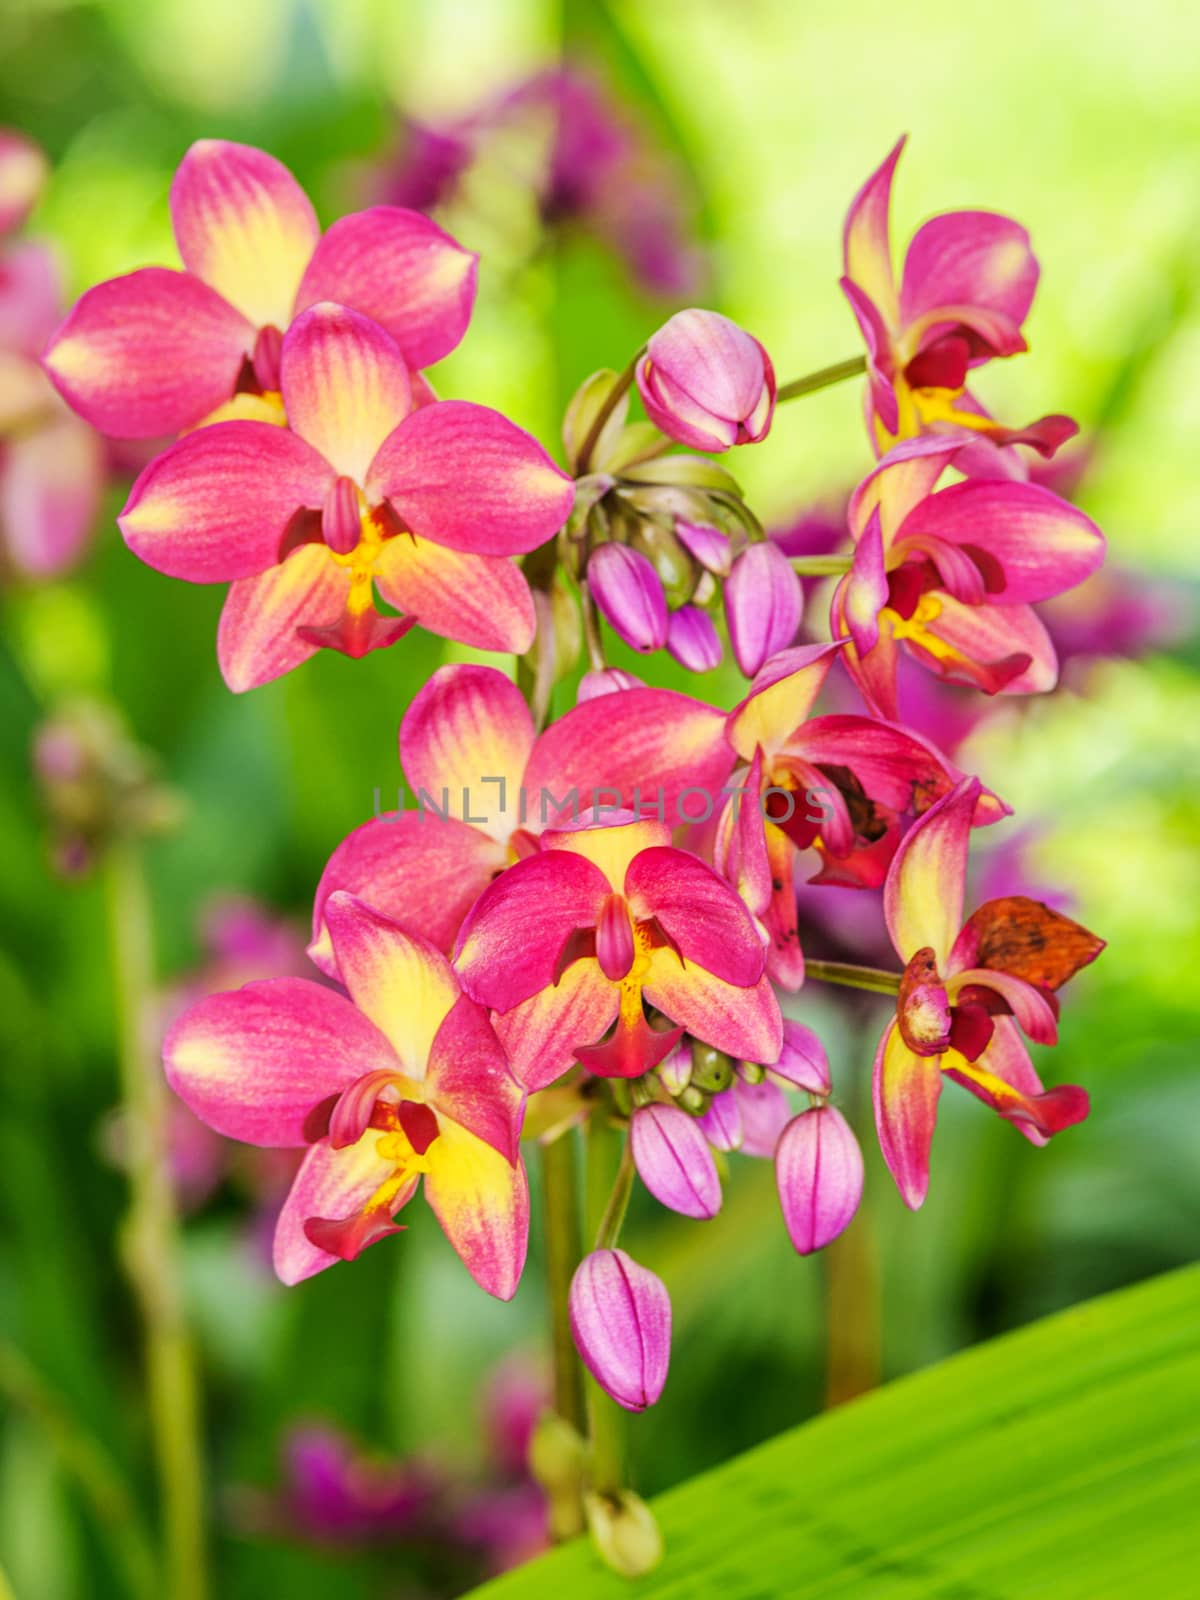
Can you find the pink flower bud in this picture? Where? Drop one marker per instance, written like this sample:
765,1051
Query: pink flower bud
763,605
722,1122
819,1173
630,594
706,382
692,639
621,1324
605,680
674,1161
341,520
802,1060
764,1110
706,544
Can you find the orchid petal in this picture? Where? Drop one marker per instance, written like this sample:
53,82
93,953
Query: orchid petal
258,638
866,588
510,943
423,870
244,226
902,479
866,249
403,271
610,846
330,1184
803,1060
216,505
905,1088
482,1203
743,1022
923,895
973,259
1042,544
397,979
469,1081
483,601
698,911
540,1036
1028,1005
999,649
50,488
148,354
257,1062
780,698
345,386
465,476
469,732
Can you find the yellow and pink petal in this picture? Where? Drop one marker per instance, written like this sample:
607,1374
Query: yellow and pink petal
923,895
482,1203
905,1089
483,601
267,622
336,1187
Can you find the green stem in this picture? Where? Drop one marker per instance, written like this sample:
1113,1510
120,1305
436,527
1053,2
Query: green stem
117,1515
608,1184
591,629
823,378
150,1239
821,566
854,977
618,391
563,1230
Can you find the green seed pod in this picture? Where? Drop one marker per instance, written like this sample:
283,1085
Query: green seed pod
712,1071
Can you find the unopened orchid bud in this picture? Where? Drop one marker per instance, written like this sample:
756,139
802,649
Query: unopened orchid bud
606,680
621,1324
763,605
557,1461
706,382
674,1161
802,1060
722,1122
712,1070
624,1531
693,640
819,1174
675,1073
583,411
667,556
630,595
765,1113
710,547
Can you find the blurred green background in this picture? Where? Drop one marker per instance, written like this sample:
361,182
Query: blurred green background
772,115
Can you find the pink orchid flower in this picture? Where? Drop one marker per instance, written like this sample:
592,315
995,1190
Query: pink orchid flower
360,490
965,289
160,351
51,463
969,991
578,939
398,1079
486,786
952,575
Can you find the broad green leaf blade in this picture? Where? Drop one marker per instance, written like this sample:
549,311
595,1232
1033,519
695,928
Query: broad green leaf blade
1061,1461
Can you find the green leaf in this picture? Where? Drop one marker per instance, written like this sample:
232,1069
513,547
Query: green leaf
1061,1460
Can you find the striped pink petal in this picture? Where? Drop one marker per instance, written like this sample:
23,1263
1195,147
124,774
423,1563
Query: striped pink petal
464,476
259,637
866,250
244,226
332,1185
483,601
148,354
216,506
257,1063
541,1035
968,259
402,270
923,895
698,911
482,1202
905,1088
345,385
743,1022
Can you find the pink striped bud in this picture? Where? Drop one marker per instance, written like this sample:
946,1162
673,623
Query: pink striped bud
763,605
722,1122
706,382
268,352
621,1324
674,1161
341,520
706,544
692,639
614,938
765,1112
605,680
630,595
819,1174
802,1060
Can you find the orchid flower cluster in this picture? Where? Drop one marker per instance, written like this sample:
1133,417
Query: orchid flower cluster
592,921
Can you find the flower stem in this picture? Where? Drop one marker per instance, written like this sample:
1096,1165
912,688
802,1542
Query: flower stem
149,1245
609,1177
563,1230
615,395
823,378
854,977
821,566
591,629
